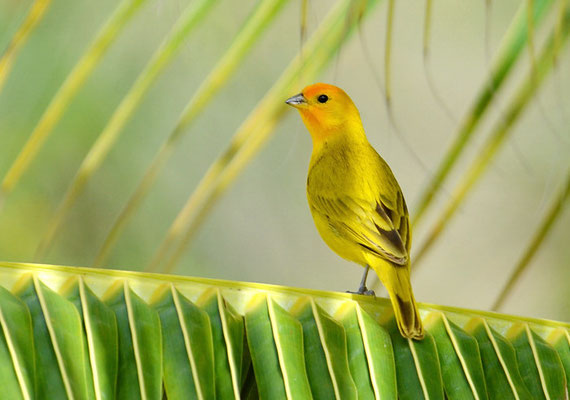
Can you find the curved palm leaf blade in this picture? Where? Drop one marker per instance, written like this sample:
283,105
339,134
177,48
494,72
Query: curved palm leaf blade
58,338
459,357
499,361
560,340
101,336
297,349
417,366
228,338
275,341
370,354
545,376
185,326
17,366
140,344
325,352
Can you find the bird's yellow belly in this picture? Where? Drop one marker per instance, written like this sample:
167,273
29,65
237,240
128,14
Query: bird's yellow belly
341,246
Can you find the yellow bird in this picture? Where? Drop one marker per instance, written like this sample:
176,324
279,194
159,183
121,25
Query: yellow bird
356,202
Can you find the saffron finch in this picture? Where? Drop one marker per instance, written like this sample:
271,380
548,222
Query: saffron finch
356,202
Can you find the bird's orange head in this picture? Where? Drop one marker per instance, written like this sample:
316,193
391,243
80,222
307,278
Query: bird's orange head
327,112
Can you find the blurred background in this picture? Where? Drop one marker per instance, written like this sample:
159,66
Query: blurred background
261,230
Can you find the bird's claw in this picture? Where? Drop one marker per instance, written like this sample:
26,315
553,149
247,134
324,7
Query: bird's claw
363,290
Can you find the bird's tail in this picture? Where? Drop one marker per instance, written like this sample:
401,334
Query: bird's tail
396,278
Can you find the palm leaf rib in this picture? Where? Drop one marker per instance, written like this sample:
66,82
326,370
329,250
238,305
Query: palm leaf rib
297,349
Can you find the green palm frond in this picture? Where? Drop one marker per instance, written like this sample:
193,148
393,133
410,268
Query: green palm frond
97,333
75,333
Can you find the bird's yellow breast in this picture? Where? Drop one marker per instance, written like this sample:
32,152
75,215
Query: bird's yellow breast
345,171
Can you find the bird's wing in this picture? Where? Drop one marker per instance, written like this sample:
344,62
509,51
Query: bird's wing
380,226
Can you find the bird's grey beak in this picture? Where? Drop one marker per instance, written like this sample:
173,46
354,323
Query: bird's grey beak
296,100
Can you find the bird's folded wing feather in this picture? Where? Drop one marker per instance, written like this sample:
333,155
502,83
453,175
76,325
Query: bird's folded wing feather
375,226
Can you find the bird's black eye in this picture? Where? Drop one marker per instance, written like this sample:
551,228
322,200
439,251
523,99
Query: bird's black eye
323,98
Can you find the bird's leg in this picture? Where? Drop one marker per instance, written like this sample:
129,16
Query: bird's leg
363,289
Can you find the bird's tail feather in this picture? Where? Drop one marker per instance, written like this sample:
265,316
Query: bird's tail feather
397,281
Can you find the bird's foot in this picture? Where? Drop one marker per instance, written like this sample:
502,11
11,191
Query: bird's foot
363,290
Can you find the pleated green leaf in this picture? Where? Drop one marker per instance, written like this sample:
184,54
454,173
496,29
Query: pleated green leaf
459,357
187,345
228,339
275,341
263,350
560,340
16,348
58,338
140,344
246,365
101,338
499,362
326,355
299,351
539,364
249,385
370,354
417,366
